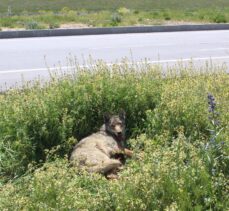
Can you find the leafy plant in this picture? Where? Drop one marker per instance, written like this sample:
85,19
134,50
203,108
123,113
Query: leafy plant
32,25
180,147
166,16
54,25
116,19
123,11
216,158
220,18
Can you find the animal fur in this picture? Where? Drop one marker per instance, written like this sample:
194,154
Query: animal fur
103,152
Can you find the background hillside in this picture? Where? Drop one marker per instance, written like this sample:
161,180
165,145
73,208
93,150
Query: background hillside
35,5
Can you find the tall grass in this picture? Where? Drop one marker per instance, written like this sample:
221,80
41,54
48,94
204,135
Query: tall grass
174,167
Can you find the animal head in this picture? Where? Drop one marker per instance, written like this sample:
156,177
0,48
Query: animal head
115,125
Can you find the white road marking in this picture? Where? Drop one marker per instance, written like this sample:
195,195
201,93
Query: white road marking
213,49
134,46
110,64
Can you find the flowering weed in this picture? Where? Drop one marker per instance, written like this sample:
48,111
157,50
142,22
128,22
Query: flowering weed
180,140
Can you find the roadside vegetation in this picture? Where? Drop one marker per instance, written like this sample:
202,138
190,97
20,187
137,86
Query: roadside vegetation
46,15
177,123
19,6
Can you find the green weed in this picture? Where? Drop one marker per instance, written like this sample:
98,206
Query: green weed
116,19
180,157
220,18
106,18
17,6
33,25
165,177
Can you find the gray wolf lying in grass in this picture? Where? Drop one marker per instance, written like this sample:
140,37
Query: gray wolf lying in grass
103,152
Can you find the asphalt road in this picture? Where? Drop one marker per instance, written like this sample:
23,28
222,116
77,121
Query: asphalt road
29,58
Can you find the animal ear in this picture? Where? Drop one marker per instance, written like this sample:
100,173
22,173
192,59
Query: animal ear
106,117
122,114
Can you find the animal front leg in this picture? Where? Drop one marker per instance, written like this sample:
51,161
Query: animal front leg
124,151
128,152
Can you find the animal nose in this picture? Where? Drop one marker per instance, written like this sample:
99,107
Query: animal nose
120,133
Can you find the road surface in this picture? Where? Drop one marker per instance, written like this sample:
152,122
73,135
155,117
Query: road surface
27,58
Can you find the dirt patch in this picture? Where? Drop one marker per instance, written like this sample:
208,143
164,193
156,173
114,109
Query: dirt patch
81,25
73,26
182,23
168,23
12,29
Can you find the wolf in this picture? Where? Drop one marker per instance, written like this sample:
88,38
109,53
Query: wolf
103,151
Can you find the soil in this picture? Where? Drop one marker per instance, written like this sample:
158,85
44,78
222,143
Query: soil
81,25
73,26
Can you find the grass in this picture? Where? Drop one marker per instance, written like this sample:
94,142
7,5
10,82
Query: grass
177,126
46,14
121,17
19,6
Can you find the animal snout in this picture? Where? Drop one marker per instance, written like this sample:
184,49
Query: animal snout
118,129
119,133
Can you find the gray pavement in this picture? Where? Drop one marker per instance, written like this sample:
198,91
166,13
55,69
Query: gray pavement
30,57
